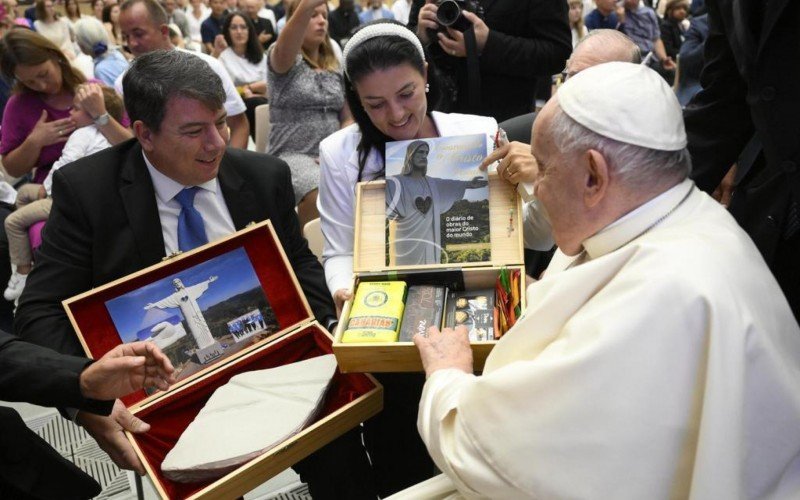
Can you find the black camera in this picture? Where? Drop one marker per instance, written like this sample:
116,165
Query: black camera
450,14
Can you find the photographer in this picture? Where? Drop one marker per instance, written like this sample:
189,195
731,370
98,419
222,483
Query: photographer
517,41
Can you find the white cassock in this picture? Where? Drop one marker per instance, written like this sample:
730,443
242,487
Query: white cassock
417,203
664,367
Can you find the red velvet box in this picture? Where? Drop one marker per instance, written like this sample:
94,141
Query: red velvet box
291,335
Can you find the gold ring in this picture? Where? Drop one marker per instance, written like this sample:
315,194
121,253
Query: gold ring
60,132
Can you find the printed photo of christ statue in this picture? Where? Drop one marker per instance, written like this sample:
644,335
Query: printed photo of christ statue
198,316
437,201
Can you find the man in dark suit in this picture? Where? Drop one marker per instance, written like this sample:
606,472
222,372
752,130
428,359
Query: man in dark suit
517,42
29,467
175,187
751,97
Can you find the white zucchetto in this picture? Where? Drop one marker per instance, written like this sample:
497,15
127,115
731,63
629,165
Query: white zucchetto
627,102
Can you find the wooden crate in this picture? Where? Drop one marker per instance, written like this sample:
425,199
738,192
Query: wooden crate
351,398
369,263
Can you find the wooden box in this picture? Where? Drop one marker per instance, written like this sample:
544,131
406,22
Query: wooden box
369,264
294,336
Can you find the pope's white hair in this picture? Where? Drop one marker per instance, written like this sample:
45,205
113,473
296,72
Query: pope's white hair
637,166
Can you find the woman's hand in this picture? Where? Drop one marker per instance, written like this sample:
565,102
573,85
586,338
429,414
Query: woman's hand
45,133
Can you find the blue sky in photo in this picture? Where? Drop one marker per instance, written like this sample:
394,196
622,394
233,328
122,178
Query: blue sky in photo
234,272
476,144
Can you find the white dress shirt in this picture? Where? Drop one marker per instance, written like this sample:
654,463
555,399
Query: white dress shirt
208,201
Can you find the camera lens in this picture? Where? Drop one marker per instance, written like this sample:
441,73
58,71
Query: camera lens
448,12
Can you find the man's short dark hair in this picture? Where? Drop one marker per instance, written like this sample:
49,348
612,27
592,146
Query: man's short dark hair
154,78
157,13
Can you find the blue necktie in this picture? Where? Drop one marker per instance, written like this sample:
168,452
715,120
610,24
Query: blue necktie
191,231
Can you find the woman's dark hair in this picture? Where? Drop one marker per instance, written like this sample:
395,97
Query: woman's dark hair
377,54
253,52
107,19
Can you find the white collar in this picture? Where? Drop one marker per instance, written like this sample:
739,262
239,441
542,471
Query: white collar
636,222
166,188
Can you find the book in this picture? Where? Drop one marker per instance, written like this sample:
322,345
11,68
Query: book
437,201
377,311
424,308
473,309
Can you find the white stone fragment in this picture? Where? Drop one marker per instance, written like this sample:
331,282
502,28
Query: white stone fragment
250,414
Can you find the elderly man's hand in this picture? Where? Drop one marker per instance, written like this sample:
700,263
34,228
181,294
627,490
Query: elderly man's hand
444,349
125,369
110,436
517,164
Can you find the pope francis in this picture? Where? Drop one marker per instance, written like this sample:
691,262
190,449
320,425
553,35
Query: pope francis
658,357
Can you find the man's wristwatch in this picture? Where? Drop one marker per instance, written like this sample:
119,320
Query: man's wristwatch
102,120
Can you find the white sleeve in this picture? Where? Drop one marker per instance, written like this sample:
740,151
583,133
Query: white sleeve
536,230
336,205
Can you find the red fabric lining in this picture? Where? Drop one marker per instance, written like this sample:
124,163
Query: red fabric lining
97,328
169,418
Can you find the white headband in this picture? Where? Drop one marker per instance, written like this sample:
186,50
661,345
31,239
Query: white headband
380,29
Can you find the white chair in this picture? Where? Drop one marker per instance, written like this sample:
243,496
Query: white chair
313,233
263,127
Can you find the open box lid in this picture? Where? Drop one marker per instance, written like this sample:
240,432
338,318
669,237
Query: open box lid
505,229
245,260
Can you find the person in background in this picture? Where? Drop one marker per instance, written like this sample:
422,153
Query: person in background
72,11
196,13
306,96
576,21
177,17
641,24
516,45
211,28
111,23
401,10
264,28
36,121
374,11
97,9
51,26
29,373
691,59
674,26
246,63
92,38
604,16
143,23
34,200
12,16
343,21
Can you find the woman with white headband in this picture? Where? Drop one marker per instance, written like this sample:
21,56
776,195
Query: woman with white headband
391,91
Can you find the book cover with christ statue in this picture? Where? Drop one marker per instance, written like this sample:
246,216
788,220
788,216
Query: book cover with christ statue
437,201
198,316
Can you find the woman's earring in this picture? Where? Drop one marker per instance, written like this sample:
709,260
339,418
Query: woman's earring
427,87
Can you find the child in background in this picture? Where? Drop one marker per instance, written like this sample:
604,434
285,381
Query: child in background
34,201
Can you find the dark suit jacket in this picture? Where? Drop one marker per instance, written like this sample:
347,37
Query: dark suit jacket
528,39
104,225
751,82
28,465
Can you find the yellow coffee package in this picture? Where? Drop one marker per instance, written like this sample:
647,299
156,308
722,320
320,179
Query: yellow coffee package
376,312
